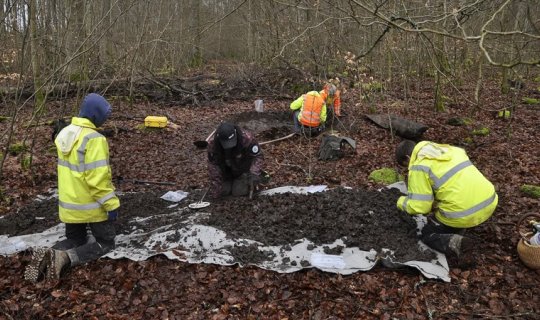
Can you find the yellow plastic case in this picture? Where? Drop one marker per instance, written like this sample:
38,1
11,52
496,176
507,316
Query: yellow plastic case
155,122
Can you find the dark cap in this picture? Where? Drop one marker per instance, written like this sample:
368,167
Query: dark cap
226,133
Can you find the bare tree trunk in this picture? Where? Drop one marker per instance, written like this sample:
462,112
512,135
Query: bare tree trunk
195,30
78,68
39,95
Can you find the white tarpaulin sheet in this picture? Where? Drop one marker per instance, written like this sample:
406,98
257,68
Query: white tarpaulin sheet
195,242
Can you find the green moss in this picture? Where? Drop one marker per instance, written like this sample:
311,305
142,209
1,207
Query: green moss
537,79
468,140
467,121
385,176
26,161
504,114
3,118
530,100
533,191
484,131
16,148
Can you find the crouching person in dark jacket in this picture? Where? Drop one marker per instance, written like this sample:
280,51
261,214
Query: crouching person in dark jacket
235,162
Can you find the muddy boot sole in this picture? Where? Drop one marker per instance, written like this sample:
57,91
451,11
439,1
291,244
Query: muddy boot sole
35,271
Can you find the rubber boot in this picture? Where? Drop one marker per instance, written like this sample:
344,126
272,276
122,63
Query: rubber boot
460,247
38,265
58,260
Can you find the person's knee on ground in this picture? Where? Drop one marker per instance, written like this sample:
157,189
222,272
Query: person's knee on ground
241,186
438,236
76,235
104,234
226,188
448,243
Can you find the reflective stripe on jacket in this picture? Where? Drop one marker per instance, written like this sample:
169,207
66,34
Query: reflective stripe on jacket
312,109
85,188
443,173
334,102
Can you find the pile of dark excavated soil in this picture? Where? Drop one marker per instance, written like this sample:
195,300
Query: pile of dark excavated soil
364,219
266,125
43,214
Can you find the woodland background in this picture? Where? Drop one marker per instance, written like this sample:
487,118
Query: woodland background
54,49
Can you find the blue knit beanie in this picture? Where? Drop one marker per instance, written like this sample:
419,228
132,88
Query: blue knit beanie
95,108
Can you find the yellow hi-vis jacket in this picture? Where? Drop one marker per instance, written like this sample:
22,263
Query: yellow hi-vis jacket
299,104
85,189
443,173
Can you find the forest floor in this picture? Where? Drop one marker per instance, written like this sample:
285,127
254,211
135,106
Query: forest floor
498,286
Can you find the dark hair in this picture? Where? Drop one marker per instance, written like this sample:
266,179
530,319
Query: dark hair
403,150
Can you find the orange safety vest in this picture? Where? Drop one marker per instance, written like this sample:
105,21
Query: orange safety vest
310,115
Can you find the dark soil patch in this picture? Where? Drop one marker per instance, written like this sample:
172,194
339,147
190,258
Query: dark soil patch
250,254
364,219
41,215
266,125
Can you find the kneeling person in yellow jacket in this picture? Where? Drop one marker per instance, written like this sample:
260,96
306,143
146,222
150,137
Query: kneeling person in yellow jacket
444,174
86,194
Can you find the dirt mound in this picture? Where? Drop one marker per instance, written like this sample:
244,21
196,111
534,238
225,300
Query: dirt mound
266,125
364,219
43,214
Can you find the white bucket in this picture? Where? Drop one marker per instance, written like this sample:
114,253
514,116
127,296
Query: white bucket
259,105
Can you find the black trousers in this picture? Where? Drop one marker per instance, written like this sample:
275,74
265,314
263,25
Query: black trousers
236,187
79,249
437,235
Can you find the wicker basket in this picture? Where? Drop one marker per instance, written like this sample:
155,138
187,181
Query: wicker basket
529,255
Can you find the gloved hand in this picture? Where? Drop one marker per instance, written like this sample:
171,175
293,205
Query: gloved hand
113,215
265,177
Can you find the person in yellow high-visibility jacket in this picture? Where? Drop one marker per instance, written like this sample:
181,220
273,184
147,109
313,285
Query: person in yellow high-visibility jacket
442,179
86,194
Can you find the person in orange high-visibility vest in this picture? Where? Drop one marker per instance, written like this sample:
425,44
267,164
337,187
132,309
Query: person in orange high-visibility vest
444,181
310,112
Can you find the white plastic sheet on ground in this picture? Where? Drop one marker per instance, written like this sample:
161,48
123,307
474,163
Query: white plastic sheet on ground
198,243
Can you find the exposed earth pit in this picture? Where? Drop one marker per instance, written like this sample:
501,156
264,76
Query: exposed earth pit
266,125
